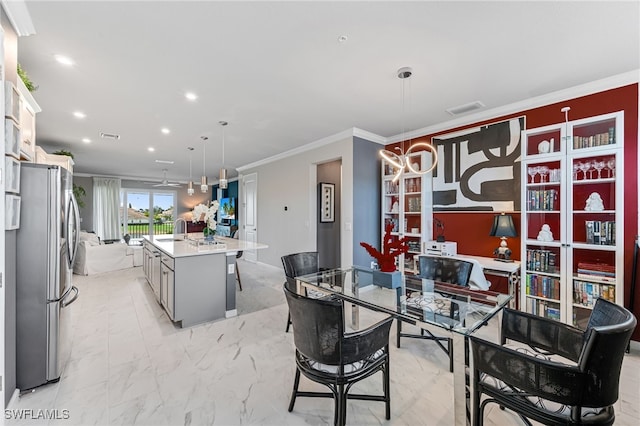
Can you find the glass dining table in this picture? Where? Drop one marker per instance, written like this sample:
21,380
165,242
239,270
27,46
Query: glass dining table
445,309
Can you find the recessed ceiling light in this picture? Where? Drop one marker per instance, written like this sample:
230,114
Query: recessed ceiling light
151,149
191,96
64,60
343,39
165,130
86,140
79,114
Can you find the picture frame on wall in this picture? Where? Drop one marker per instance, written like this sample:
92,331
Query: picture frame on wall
327,202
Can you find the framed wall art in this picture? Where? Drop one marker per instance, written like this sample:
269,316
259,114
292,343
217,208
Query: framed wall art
479,168
327,202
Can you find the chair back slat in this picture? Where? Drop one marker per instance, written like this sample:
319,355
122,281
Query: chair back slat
297,264
317,327
444,269
608,332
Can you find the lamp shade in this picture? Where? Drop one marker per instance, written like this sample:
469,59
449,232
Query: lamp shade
503,226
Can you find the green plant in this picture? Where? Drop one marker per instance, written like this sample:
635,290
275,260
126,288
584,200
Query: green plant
79,192
26,80
64,152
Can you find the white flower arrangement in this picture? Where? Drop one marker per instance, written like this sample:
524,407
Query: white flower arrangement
207,214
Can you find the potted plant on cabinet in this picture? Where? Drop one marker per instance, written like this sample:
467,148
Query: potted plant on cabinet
387,276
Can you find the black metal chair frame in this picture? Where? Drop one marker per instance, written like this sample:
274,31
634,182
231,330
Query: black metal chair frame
320,338
584,388
431,273
238,256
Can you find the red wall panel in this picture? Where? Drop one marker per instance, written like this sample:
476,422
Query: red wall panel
471,230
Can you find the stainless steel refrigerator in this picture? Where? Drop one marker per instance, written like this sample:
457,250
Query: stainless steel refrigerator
47,241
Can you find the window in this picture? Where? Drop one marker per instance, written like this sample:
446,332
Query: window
144,212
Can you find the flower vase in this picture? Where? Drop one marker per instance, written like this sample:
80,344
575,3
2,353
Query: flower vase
208,233
387,279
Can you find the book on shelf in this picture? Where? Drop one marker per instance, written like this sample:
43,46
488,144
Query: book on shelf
605,138
586,293
598,276
601,271
600,232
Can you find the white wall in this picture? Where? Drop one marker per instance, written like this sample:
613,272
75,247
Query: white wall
292,182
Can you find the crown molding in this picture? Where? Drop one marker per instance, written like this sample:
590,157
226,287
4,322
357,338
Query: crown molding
619,80
608,83
19,17
349,133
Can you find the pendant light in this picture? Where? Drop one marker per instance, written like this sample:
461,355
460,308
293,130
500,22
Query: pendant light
190,190
403,159
224,183
203,180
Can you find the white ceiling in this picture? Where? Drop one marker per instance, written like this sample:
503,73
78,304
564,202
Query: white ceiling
277,73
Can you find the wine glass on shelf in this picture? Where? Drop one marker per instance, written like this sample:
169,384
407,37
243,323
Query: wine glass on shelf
598,165
584,167
611,165
544,171
532,171
576,168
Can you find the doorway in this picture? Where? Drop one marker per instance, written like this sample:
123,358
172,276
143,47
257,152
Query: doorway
249,213
328,232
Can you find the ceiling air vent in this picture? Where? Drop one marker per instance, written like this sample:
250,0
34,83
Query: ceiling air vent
461,109
109,136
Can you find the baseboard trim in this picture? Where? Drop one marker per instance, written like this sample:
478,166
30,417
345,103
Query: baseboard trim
14,398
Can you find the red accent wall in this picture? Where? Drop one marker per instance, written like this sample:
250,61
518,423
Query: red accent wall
471,230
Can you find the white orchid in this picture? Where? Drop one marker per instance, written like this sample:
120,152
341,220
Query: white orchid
205,213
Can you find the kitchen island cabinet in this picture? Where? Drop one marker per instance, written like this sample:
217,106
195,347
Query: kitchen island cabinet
197,281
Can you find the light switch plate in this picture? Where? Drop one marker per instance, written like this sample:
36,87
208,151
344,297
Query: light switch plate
231,268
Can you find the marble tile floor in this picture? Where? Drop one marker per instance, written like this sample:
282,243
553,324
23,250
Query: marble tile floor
130,365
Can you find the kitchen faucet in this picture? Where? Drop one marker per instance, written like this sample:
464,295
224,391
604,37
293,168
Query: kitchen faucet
175,226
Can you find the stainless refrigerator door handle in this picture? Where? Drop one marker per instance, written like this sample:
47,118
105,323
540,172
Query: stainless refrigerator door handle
75,296
76,230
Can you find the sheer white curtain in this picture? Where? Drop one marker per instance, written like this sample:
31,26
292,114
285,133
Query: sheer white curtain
106,208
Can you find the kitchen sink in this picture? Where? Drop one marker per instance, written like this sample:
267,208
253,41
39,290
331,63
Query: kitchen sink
168,240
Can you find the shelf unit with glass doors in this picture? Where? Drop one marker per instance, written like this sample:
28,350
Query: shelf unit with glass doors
407,204
572,204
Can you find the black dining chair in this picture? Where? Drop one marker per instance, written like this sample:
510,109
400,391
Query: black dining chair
551,372
236,235
328,355
297,264
446,270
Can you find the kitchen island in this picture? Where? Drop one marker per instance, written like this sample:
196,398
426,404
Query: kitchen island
194,280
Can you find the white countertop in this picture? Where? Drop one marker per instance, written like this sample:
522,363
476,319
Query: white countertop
177,246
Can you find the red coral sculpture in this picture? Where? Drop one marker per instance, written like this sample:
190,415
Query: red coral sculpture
390,249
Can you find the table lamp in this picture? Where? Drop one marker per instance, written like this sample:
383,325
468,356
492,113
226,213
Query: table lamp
503,227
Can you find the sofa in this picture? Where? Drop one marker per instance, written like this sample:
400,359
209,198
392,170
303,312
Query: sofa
94,256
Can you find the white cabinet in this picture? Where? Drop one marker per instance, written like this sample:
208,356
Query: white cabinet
572,217
151,268
167,287
27,118
12,138
407,204
12,175
12,212
11,102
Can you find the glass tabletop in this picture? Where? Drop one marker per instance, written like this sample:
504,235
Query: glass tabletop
412,299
